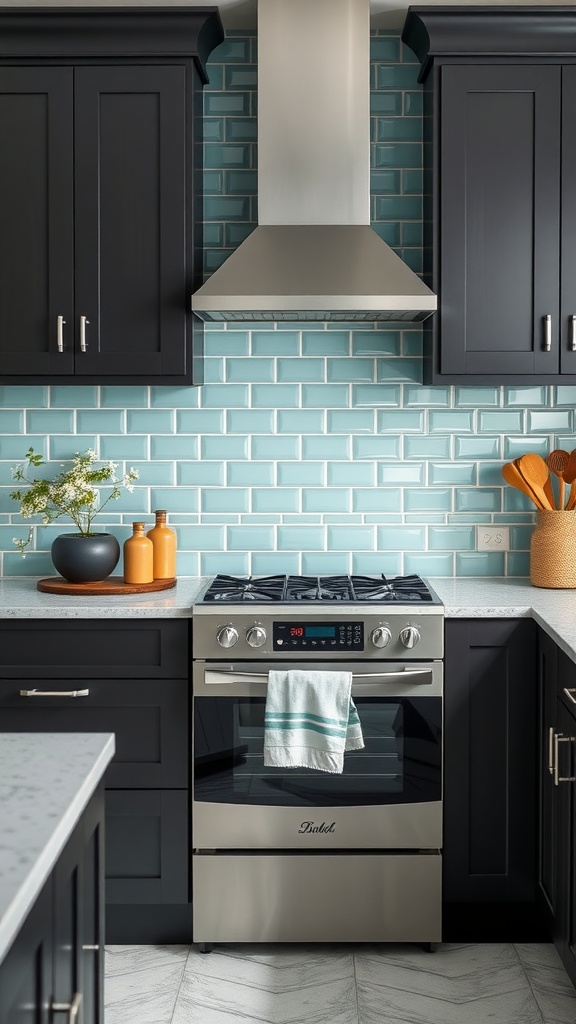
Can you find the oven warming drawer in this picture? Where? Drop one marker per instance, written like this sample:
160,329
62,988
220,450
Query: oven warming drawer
317,898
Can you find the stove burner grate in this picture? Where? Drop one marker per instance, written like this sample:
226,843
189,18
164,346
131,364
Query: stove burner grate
232,589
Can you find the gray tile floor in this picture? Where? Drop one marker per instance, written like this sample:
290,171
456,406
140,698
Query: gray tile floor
492,983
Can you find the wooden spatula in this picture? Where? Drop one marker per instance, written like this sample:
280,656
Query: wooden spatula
513,476
557,462
570,478
535,472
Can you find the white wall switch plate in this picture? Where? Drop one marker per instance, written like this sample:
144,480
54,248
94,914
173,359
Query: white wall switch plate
493,538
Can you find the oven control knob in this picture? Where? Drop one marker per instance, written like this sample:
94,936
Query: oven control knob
256,636
227,636
409,636
380,636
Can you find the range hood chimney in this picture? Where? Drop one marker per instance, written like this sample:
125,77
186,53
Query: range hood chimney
313,255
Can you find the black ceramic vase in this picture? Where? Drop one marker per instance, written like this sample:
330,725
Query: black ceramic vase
85,559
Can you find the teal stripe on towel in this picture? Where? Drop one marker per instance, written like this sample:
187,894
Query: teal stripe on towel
287,716
307,727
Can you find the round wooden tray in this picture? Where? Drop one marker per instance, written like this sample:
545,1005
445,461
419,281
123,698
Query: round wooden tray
108,587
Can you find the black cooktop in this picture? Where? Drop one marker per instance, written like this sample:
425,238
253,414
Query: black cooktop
353,589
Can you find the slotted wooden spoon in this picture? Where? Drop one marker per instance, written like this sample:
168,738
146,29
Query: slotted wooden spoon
513,476
557,462
570,478
535,472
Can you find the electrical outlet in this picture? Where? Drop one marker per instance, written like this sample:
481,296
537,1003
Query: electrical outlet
493,538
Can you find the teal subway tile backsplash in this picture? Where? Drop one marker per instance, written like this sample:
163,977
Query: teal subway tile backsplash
311,448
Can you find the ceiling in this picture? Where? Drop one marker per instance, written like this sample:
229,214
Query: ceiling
239,14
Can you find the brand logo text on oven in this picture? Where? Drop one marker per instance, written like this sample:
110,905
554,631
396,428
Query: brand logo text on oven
309,826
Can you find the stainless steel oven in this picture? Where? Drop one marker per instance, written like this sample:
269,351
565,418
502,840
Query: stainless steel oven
301,855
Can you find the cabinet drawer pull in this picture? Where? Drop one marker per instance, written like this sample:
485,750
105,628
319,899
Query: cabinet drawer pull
551,750
572,320
570,693
60,333
54,693
72,1009
558,739
83,322
547,332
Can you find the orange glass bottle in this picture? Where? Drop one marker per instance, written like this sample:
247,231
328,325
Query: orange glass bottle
164,544
138,556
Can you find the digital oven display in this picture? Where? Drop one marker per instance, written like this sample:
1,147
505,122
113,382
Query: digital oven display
329,636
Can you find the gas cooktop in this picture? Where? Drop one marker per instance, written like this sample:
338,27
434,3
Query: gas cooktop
293,589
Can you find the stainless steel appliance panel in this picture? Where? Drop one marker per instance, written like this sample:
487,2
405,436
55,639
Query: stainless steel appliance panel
308,898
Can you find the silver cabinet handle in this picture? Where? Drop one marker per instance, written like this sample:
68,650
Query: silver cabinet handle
551,750
558,739
547,332
60,321
570,693
572,320
54,693
72,1009
83,322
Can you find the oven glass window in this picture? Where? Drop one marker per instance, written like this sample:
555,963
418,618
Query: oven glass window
400,762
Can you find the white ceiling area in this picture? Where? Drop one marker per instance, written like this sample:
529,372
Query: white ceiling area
238,14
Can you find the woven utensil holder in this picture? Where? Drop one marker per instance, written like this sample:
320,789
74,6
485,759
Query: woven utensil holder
553,549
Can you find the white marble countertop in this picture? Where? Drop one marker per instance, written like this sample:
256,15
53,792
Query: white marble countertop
19,599
46,781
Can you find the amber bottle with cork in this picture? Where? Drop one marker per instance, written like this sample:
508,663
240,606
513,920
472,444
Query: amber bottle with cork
138,556
164,544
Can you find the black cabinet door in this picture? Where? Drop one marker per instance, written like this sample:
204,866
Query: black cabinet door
26,971
547,715
568,233
490,761
499,217
148,859
565,772
36,221
130,222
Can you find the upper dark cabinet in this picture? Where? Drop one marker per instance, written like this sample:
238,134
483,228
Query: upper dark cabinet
500,192
100,193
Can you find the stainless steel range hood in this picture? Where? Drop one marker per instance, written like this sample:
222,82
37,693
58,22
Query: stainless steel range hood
314,255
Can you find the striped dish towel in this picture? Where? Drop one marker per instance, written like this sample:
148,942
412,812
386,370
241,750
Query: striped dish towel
310,720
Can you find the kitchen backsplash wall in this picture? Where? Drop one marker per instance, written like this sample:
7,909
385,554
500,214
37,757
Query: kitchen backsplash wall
308,450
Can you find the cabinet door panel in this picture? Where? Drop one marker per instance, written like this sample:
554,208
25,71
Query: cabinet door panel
36,220
147,846
130,196
548,662
490,754
568,281
26,971
150,720
500,210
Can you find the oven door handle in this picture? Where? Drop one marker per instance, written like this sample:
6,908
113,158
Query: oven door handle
409,675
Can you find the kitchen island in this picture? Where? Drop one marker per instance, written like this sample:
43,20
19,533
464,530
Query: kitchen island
51,870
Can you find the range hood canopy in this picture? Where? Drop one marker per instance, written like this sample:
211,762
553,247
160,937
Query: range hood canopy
313,255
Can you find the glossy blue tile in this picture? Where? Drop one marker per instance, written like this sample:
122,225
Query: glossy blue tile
428,397
223,499
200,474
156,474
421,446
452,473
38,421
555,420
325,396
249,421
382,446
428,499
565,395
401,538
514,447
199,421
505,422
384,49
351,538
250,474
275,396
174,398
224,447
412,180
250,538
35,564
401,369
375,395
400,155
234,563
63,447
400,422
397,129
300,474
300,538
518,564
23,397
150,421
214,371
351,474
376,499
384,103
322,446
225,396
71,397
480,563
326,343
225,104
310,370
227,343
350,421
477,396
374,562
396,76
250,370
451,421
427,563
119,397
325,499
376,343
271,563
101,421
451,538
171,447
277,499
276,343
275,447
530,396
301,421
326,563
350,370
401,473
481,447
480,499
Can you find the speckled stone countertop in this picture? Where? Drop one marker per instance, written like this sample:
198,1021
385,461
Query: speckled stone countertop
46,781
19,599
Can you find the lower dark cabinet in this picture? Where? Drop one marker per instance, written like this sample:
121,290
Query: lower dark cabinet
57,959
489,852
147,846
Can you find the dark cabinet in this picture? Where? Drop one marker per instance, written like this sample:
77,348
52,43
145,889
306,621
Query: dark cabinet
129,677
557,799
500,193
56,962
100,189
490,779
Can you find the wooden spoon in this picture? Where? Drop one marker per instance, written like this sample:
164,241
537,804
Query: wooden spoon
513,476
535,472
569,475
557,462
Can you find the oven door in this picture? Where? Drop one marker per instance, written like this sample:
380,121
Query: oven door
388,796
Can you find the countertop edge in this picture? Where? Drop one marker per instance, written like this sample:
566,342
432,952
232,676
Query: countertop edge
13,917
